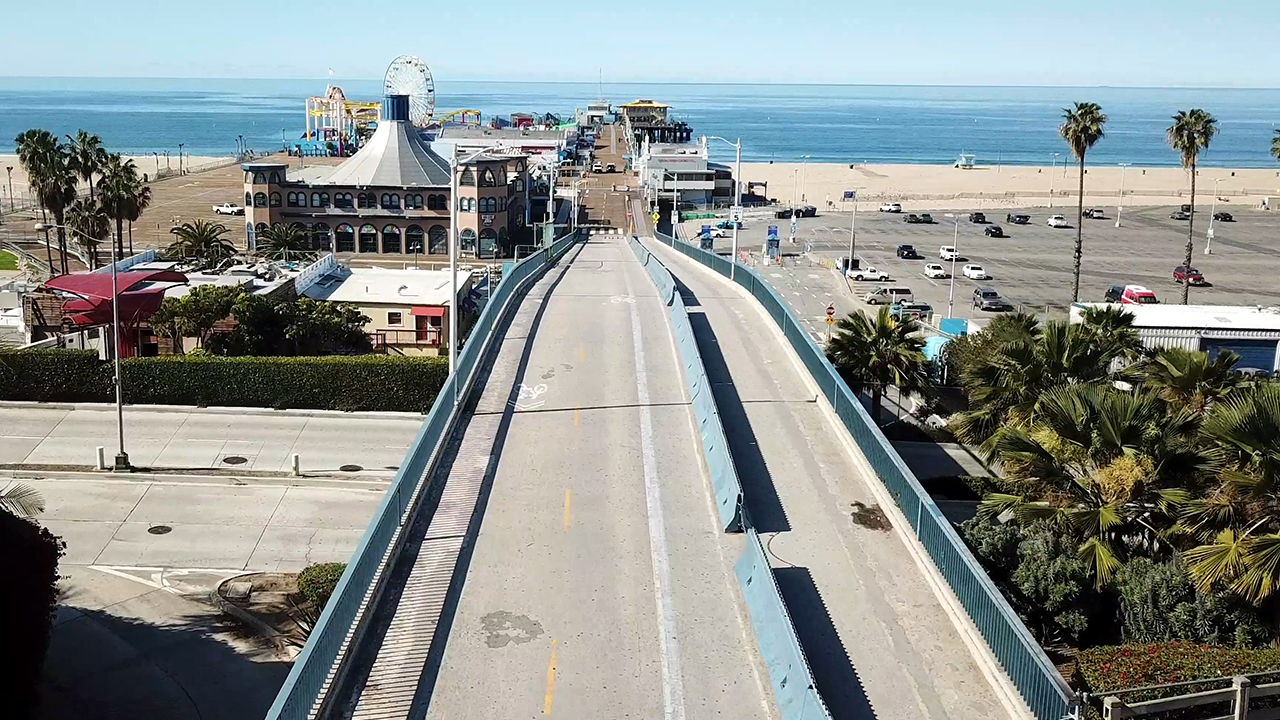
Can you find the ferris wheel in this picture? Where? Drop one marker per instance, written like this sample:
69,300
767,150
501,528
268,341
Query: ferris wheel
408,75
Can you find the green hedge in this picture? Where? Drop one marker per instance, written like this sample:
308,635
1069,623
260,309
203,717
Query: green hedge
316,582
363,382
29,557
1124,666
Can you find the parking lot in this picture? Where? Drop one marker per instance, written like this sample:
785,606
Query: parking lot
1032,266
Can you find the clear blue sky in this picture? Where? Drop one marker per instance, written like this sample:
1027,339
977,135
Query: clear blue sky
997,42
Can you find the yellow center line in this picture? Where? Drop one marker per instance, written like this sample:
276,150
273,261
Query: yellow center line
577,413
582,353
551,675
567,504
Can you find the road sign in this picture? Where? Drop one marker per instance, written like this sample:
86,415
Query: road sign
830,320
656,217
735,214
850,194
831,311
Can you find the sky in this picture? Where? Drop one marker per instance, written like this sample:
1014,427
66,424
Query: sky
1147,43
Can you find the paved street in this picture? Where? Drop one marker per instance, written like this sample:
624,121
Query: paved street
190,439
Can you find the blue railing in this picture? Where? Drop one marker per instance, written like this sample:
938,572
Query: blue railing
340,621
1037,680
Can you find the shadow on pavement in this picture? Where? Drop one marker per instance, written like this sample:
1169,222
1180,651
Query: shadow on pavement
833,673
759,497
102,666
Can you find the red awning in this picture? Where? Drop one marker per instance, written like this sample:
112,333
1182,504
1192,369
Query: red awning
428,310
98,285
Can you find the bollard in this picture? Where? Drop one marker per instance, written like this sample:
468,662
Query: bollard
102,458
297,466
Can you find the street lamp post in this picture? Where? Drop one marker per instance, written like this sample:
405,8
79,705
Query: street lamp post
955,246
453,269
1053,167
1120,204
737,198
180,157
1208,246
122,457
853,226
804,176
9,170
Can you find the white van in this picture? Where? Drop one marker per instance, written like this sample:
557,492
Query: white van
888,294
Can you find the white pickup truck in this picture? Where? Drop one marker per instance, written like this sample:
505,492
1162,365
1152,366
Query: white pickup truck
228,209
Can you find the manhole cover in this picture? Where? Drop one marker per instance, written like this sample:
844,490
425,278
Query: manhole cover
159,529
351,468
235,460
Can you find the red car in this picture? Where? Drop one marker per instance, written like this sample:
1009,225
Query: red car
1191,275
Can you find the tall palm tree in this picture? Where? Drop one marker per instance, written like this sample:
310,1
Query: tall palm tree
1192,131
138,203
282,242
1275,145
86,156
91,225
44,161
1188,378
202,241
1082,127
877,353
121,184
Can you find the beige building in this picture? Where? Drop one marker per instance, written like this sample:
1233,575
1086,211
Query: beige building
408,310
393,197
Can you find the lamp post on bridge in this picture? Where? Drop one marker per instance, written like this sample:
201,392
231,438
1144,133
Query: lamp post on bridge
735,214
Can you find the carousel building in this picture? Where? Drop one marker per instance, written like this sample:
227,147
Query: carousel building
393,197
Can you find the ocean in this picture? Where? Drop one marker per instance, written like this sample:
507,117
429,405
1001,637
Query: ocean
827,123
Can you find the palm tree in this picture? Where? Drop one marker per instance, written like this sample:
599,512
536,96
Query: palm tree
121,185
202,241
86,156
1082,127
1191,131
91,225
50,176
1275,145
22,500
879,353
282,242
1188,378
138,203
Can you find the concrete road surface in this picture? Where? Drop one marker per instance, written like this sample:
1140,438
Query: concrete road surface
877,637
600,584
193,438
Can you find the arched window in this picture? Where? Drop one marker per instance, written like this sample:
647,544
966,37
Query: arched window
390,201
275,178
488,243
467,240
517,211
362,200
486,178
324,200
468,177
502,174
259,199
520,167
413,201
488,205
248,177
414,240
275,199
248,199
259,228
391,239
320,239
259,179
519,185
248,235
437,202
368,238
344,239
342,200
438,240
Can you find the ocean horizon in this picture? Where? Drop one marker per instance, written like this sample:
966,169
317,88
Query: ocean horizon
876,124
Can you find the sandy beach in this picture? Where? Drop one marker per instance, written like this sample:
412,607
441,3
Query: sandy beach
940,187
146,164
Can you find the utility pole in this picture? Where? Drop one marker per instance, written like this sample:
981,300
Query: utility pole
1120,204
180,157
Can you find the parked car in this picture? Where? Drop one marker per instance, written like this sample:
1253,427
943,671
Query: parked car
228,209
1095,214
717,232
1179,215
926,219
1017,219
597,168
975,272
1137,295
610,167
867,273
948,252
911,219
806,211
1057,221
993,231
912,310
784,214
977,217
1113,293
1223,217
934,270
908,252
888,295
1190,275
986,298
726,225
891,207
1185,207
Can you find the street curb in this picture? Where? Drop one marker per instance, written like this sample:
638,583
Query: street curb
93,474
218,410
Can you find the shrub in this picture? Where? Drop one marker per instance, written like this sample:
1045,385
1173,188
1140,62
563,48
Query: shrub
316,582
1116,667
1158,603
54,376
29,557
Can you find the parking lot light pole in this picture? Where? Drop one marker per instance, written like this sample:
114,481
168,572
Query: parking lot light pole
853,227
1120,204
955,247
1053,167
737,197
1208,246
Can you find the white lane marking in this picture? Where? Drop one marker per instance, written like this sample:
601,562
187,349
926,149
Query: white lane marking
672,681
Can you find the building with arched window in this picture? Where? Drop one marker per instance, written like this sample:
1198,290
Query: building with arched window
393,197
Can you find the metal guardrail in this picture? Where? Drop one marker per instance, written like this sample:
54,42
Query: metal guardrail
1042,687
1235,700
302,694
715,445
